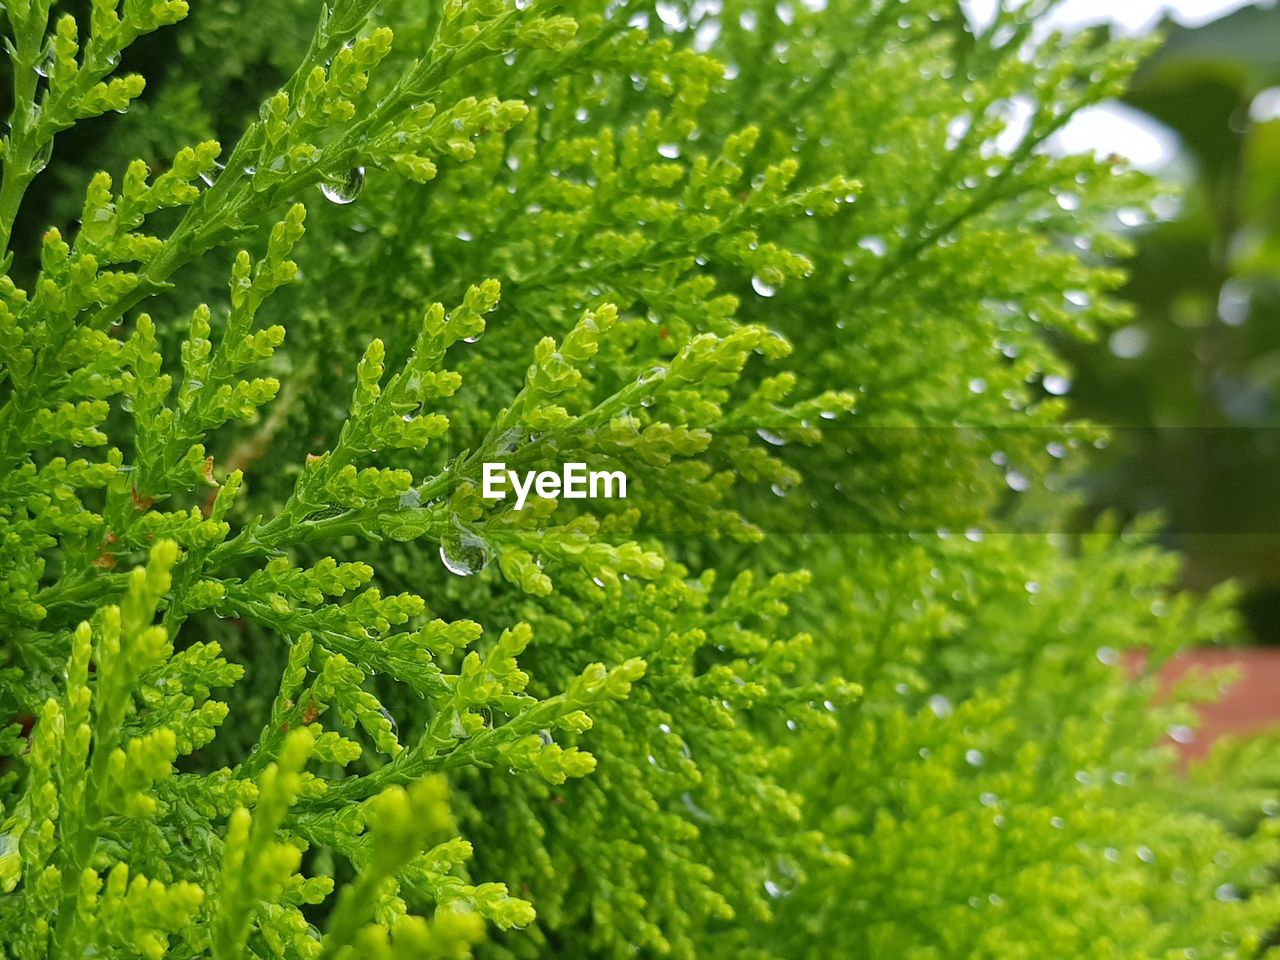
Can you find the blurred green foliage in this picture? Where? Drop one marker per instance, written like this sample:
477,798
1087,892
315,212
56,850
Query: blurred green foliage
1193,381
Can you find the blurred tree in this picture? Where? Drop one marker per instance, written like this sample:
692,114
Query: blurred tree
1193,383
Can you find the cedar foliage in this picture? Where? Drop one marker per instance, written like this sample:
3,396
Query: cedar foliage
277,682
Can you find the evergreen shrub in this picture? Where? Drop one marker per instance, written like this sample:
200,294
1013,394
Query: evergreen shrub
276,681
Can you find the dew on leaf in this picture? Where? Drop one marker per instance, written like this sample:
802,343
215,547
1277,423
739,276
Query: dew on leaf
940,705
1057,385
345,189
463,552
762,288
771,438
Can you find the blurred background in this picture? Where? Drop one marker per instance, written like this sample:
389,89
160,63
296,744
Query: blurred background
1191,387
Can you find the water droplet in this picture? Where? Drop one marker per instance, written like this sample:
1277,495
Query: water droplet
1131,216
463,552
762,288
1181,733
974,758
457,729
1018,482
345,189
464,236
1057,385
988,799
1057,823
977,385
669,150
40,159
771,438
874,245
772,889
1146,855
1227,893
653,375
696,811
1129,343
940,706
1107,655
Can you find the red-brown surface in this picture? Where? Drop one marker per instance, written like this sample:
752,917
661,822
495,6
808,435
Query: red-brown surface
1250,705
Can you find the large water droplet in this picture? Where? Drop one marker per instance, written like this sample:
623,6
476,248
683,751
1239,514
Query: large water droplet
974,758
762,288
463,552
345,189
1057,385
40,159
940,706
771,438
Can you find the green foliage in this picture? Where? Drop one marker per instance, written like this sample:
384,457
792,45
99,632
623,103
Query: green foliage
1197,368
278,682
